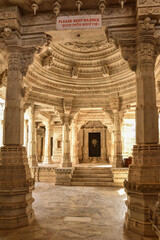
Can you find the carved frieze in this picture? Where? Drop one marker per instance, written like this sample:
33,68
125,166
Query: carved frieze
141,187
146,154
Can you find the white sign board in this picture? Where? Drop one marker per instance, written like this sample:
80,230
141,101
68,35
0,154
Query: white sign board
78,22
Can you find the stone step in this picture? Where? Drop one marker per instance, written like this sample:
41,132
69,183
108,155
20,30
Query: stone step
92,179
97,171
93,168
92,175
97,184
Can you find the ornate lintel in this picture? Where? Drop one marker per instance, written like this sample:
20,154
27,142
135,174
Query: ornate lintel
148,8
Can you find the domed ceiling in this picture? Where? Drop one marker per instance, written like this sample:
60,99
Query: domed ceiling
82,67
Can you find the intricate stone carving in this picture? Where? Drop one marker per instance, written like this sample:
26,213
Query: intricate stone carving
105,71
93,125
141,187
75,72
25,92
79,3
47,61
146,53
102,5
3,78
146,154
35,5
56,7
16,186
114,101
63,176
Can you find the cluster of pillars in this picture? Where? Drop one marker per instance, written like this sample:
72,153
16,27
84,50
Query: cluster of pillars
69,146
30,141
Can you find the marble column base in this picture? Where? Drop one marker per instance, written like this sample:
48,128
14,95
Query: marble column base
32,161
66,160
75,160
142,188
137,216
66,164
63,176
117,161
47,160
16,186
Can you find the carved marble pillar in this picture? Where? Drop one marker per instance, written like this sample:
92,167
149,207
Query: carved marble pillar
85,145
143,182
37,144
112,147
117,159
47,147
16,184
80,144
74,150
66,158
1,132
115,106
38,147
25,133
32,145
103,147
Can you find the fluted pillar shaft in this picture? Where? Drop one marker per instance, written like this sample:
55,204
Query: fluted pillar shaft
66,157
32,145
1,132
47,149
143,183
16,184
74,155
117,159
25,133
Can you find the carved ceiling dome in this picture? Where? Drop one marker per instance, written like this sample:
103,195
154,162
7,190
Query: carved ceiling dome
82,67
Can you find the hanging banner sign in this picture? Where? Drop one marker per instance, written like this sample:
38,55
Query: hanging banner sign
78,22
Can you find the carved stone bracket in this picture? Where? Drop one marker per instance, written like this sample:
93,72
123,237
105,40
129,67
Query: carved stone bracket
25,93
114,102
67,106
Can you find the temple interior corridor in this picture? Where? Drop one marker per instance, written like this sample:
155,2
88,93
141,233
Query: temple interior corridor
79,119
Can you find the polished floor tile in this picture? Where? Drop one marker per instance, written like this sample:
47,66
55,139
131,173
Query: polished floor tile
75,213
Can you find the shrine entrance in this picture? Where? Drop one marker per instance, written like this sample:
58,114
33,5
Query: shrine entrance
94,144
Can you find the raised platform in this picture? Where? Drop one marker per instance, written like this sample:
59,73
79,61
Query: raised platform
81,175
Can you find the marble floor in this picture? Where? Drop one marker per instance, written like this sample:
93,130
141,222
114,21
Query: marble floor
75,213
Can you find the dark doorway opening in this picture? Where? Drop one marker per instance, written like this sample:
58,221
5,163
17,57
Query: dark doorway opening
94,144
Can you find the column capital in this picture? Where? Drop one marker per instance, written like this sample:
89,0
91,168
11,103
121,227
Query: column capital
20,58
139,44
